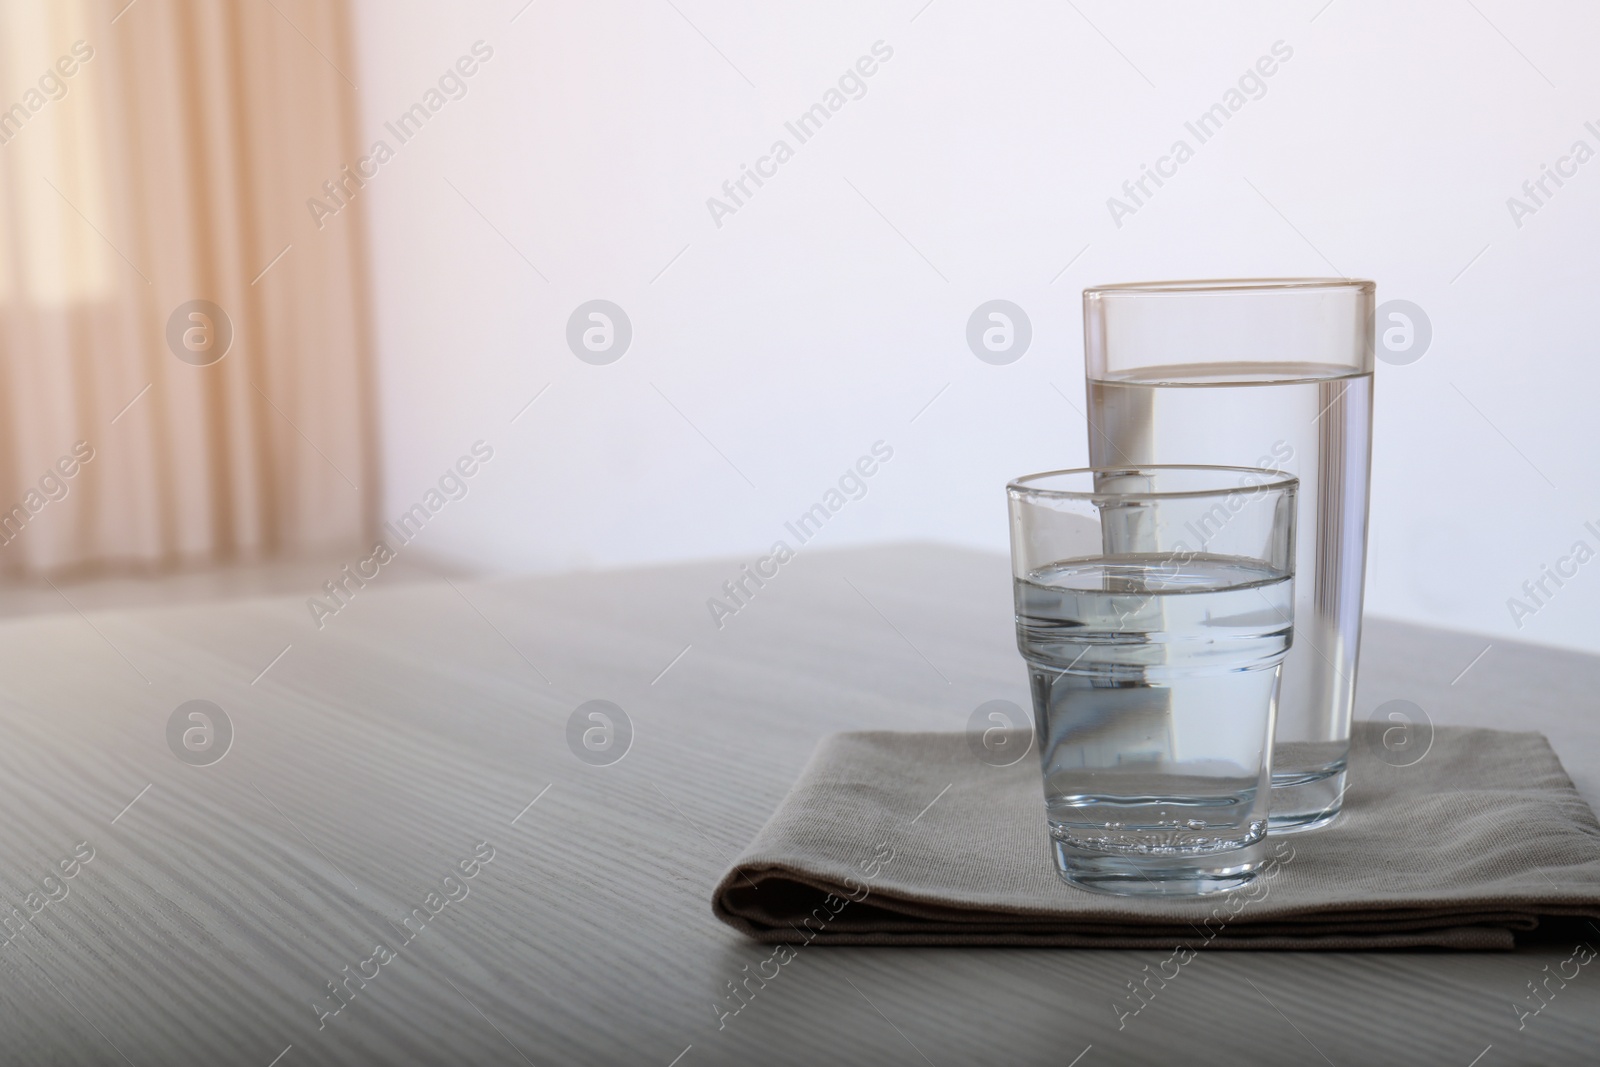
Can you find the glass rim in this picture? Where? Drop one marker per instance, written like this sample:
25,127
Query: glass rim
1277,479
1229,285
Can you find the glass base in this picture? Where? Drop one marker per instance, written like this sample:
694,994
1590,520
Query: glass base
1159,875
1306,800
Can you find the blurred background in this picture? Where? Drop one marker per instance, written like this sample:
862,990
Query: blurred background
271,270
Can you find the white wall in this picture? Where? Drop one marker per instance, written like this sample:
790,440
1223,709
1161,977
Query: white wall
806,327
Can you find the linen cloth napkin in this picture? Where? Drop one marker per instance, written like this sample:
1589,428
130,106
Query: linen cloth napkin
911,839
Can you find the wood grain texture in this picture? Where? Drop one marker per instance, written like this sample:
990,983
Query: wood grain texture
421,720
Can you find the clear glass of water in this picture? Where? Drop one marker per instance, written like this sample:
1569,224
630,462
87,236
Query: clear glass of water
1260,373
1154,608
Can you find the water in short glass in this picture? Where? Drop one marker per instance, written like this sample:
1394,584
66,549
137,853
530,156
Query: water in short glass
1154,606
1264,373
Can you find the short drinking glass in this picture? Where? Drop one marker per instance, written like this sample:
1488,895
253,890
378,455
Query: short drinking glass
1154,606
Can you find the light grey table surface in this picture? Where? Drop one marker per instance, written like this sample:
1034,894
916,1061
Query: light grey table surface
371,756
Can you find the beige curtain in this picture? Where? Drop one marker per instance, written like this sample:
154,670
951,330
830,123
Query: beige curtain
153,154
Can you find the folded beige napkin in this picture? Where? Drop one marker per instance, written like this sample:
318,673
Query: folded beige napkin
911,839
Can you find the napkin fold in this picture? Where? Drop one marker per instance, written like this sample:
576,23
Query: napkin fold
912,839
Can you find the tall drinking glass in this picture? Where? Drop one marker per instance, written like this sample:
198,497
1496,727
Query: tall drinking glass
1153,611
1265,373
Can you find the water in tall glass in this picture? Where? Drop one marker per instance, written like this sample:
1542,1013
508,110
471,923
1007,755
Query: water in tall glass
1312,421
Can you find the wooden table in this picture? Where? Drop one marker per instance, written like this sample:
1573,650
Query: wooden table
371,757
